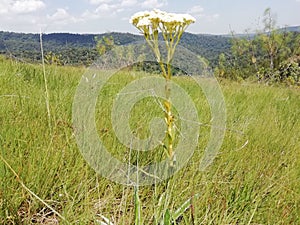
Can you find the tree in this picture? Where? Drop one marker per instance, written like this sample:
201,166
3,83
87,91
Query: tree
262,54
52,58
104,44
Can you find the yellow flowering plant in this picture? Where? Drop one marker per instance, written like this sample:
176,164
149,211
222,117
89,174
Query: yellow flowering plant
171,26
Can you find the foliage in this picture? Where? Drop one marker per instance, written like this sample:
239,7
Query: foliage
267,55
52,58
105,44
207,46
289,71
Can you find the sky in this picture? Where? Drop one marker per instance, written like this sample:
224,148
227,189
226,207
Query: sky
101,16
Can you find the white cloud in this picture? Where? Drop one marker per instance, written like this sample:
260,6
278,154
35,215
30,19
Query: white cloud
102,11
88,15
27,6
128,2
154,3
20,6
61,16
4,7
97,2
109,8
21,15
196,10
103,8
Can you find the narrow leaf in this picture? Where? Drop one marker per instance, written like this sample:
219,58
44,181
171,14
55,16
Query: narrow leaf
167,218
185,206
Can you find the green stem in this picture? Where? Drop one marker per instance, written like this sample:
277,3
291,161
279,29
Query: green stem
171,41
169,118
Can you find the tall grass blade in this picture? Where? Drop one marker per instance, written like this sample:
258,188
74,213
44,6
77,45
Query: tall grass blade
167,218
183,208
45,83
137,207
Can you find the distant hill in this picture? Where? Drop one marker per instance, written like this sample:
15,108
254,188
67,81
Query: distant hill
27,46
284,29
79,49
291,29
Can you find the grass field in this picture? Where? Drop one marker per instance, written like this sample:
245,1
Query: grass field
44,179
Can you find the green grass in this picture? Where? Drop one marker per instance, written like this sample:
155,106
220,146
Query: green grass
255,179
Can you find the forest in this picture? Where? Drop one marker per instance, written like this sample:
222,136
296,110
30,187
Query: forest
270,54
80,49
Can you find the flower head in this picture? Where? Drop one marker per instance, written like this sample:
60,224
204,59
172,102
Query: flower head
144,21
137,16
171,26
156,17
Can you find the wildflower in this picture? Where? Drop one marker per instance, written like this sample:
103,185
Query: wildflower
157,18
171,26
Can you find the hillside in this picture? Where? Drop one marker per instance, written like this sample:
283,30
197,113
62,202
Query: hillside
291,29
80,48
294,29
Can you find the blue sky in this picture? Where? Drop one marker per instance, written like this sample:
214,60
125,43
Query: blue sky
99,16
